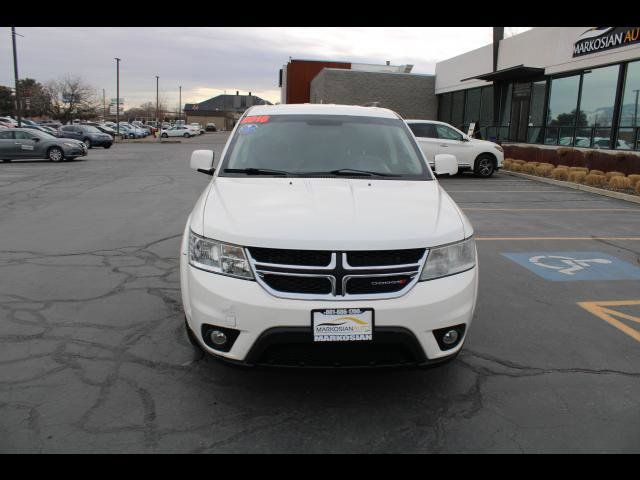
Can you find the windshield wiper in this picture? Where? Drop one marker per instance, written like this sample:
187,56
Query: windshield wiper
256,171
366,173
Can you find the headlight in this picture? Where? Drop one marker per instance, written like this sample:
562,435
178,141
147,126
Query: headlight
499,148
450,259
70,144
218,257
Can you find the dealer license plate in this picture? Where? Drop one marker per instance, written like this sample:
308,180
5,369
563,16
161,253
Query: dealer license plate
342,324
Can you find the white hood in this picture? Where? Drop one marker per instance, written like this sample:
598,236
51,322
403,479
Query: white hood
329,213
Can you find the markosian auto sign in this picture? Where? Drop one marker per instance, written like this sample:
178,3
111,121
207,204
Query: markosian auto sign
603,38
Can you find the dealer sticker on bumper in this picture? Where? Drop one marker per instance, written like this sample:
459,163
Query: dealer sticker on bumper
342,324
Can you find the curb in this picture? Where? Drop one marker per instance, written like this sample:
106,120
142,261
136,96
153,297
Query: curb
576,186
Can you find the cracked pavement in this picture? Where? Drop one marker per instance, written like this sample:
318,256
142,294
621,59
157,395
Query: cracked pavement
94,358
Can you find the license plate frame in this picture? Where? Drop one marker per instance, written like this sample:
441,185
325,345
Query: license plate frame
342,325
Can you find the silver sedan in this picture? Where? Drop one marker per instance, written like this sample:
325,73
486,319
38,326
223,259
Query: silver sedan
19,143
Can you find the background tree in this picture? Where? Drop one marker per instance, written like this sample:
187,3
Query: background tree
39,101
71,98
7,106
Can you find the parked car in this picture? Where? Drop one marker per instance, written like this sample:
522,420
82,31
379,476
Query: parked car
480,156
324,239
49,130
19,143
50,123
8,121
198,128
132,131
87,134
211,127
127,132
178,131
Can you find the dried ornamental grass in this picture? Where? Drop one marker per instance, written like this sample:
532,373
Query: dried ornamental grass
516,167
577,177
619,183
609,175
579,169
519,162
529,168
595,180
596,172
638,188
563,166
543,170
634,179
560,174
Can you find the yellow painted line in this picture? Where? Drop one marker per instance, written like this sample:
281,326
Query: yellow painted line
608,315
479,209
556,238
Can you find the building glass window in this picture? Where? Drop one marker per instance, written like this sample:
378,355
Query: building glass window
596,106
457,109
630,110
563,104
486,110
472,108
505,105
536,112
444,111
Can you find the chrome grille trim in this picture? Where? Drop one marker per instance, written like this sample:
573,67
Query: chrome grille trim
412,270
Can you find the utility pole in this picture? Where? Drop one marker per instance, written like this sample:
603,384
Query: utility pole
157,102
104,106
15,72
117,97
180,105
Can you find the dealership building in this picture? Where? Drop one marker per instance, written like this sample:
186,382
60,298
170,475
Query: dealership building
546,87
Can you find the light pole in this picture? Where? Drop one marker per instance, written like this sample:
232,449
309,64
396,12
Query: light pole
157,102
180,104
15,72
104,106
117,97
635,111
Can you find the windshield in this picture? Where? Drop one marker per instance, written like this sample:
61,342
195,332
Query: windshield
324,145
91,129
42,134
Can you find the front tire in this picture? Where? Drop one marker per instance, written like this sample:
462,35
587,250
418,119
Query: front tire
87,142
186,135
485,166
107,146
164,135
55,154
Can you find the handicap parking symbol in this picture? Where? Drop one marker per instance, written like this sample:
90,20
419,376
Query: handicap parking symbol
572,266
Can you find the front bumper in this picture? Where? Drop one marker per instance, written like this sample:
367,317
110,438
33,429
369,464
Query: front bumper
75,151
244,306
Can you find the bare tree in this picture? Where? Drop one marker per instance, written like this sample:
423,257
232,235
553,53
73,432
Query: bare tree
72,98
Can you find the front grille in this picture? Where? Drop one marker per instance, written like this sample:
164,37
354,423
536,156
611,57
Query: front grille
317,274
386,284
294,284
368,258
314,258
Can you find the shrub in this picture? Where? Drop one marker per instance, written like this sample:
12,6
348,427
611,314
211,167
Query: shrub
577,177
609,175
543,170
634,179
519,162
619,183
638,188
516,167
547,165
507,163
564,166
560,173
596,172
529,168
579,169
595,180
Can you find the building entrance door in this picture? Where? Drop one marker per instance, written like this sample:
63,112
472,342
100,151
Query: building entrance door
520,112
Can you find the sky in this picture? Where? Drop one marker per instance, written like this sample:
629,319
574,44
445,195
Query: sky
209,61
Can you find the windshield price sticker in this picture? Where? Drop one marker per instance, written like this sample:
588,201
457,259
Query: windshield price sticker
342,324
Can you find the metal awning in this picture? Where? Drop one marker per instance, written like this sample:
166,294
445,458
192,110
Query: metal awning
512,73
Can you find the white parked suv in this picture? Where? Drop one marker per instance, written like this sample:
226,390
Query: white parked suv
481,156
324,239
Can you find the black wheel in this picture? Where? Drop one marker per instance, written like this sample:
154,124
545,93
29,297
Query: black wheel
6,160
87,142
107,146
186,135
55,154
485,166
164,135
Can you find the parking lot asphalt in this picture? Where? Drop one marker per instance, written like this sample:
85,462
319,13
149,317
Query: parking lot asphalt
94,358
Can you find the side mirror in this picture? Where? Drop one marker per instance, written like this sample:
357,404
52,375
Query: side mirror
465,138
202,161
446,164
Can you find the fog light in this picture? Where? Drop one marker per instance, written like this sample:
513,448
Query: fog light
450,337
218,338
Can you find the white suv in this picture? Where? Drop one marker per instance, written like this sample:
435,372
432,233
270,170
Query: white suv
481,156
324,239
